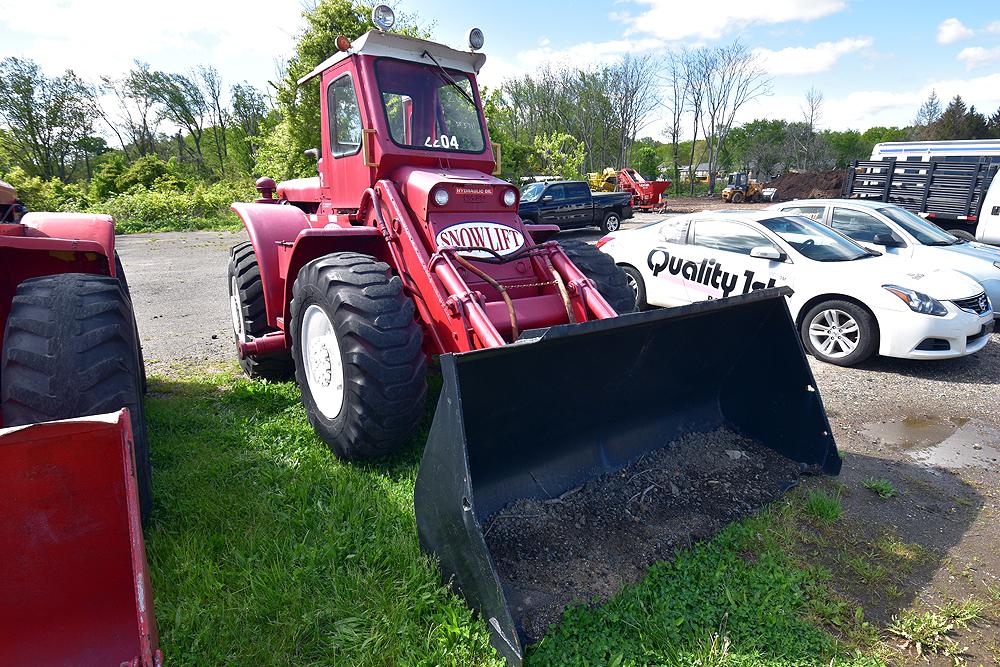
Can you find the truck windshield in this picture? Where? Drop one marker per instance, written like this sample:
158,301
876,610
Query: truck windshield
925,232
815,241
426,110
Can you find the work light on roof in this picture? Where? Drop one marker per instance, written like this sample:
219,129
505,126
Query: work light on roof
476,39
383,17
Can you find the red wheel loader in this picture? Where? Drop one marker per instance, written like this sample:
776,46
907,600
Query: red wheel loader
406,245
71,492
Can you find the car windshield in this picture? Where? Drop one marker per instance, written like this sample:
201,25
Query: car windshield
815,241
532,191
925,232
429,107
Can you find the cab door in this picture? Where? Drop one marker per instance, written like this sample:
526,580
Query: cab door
665,250
579,205
724,266
554,209
343,169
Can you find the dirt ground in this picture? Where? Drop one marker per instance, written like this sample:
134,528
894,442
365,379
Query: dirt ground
932,429
596,538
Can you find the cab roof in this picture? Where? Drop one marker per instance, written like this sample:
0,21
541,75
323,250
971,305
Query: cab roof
394,45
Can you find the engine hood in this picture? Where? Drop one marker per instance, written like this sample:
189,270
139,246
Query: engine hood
417,184
942,284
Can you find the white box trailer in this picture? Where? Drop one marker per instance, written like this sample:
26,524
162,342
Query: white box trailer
952,151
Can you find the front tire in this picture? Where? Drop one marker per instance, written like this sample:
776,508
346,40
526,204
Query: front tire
638,285
249,315
71,350
737,197
358,354
840,333
612,222
610,278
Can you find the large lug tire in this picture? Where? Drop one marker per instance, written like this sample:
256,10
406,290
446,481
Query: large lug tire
358,354
962,234
123,281
612,222
840,333
610,278
249,315
757,198
70,350
638,285
737,197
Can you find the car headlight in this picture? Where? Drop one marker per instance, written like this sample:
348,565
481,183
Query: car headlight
918,301
441,197
509,198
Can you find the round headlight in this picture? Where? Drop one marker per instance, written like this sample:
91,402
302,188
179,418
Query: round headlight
476,39
383,17
441,197
509,198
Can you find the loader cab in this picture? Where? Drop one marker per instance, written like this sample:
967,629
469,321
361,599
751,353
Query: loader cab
390,101
738,181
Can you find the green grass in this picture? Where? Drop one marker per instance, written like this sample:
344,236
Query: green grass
267,550
226,222
930,632
822,506
883,488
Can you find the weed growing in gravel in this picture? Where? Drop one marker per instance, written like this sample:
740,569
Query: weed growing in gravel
903,554
869,570
930,632
882,487
822,505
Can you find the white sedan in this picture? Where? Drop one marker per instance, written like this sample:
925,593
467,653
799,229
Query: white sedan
895,231
849,302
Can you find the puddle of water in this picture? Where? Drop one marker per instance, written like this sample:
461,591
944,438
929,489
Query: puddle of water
953,442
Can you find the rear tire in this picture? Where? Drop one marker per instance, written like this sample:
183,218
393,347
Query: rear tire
962,234
358,355
610,278
737,197
70,350
840,333
638,286
612,222
249,315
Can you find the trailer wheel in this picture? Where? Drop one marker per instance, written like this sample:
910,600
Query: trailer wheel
962,234
610,278
70,350
840,333
358,354
612,222
249,315
638,285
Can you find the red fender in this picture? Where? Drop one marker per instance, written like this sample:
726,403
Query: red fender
79,227
268,225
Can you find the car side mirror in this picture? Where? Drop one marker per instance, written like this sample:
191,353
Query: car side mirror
547,198
887,240
769,253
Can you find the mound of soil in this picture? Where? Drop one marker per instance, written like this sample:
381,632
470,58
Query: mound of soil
596,538
808,185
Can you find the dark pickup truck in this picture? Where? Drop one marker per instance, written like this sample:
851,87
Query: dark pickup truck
571,204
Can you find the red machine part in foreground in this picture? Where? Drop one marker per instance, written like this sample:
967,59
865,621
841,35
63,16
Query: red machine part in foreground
646,195
76,582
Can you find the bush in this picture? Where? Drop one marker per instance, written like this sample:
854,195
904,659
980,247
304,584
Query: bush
200,207
41,195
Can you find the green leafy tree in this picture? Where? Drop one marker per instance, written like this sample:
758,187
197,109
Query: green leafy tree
560,154
646,161
846,146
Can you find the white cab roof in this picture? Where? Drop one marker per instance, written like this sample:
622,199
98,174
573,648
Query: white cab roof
393,45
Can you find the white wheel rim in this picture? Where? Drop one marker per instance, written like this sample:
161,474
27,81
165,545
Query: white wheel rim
834,333
613,223
324,366
236,310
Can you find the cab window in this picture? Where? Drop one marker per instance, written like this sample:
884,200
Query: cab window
729,236
345,117
557,192
859,226
816,213
576,190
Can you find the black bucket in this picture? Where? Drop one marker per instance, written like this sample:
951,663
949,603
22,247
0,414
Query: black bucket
570,403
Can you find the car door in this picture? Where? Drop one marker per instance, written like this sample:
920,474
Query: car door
864,227
553,209
666,246
723,267
579,211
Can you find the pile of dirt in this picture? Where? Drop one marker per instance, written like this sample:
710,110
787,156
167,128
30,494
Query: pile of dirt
808,185
596,538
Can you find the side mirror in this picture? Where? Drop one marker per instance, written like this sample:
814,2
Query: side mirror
887,240
312,152
768,252
547,198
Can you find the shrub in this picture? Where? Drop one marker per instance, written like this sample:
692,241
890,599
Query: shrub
200,207
51,195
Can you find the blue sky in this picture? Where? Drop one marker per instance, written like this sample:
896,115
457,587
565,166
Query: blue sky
873,61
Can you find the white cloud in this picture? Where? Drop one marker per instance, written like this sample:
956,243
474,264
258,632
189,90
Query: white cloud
993,27
809,60
977,56
671,20
952,30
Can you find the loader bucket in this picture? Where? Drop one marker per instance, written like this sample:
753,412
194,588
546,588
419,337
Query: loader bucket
75,582
568,404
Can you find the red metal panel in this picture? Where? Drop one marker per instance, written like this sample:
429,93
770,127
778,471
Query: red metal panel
75,578
268,225
78,226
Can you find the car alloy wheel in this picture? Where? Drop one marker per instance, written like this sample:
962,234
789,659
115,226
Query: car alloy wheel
834,333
